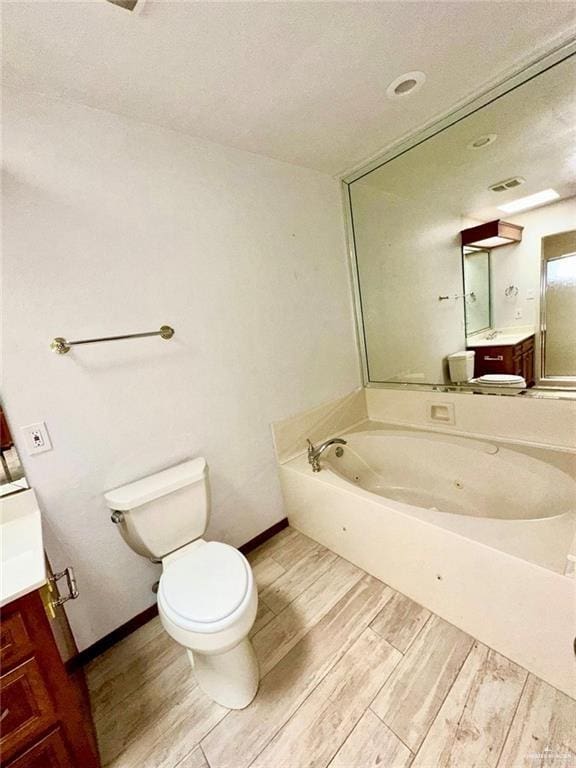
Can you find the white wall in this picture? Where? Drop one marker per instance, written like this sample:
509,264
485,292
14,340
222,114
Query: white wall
519,264
113,226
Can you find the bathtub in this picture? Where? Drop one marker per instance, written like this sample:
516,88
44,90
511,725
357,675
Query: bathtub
517,503
479,531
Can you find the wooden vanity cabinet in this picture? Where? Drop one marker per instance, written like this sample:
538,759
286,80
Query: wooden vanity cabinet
516,359
45,711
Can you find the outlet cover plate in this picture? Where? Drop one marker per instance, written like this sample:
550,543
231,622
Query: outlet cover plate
36,438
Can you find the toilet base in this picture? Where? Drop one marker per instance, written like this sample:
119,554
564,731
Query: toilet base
230,678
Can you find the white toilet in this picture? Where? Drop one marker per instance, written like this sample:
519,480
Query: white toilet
461,365
207,597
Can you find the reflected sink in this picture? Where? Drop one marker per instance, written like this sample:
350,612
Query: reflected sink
21,546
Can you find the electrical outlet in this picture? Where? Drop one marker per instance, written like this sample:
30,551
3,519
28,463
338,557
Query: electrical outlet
37,438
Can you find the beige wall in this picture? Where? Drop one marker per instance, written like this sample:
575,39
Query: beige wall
115,226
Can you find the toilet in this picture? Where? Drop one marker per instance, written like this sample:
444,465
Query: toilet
461,366
207,597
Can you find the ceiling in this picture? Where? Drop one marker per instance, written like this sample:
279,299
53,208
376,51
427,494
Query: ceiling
535,125
302,82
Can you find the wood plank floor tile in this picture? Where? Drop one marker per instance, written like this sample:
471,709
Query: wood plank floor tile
272,546
372,745
281,634
195,759
100,669
543,732
324,655
266,571
263,616
473,722
400,621
124,679
317,730
294,581
294,549
120,725
165,742
243,734
411,698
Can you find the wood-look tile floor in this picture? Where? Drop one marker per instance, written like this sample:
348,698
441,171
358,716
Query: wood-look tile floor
354,675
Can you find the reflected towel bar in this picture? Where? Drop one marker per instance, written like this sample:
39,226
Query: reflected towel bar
61,346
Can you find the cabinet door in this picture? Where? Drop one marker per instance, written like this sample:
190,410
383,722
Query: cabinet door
37,692
15,640
49,752
27,708
528,367
493,360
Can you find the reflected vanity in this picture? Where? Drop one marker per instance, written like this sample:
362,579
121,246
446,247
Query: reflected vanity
463,241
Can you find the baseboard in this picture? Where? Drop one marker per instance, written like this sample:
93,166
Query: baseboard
264,536
106,642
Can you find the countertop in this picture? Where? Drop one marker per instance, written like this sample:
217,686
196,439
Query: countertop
502,339
22,563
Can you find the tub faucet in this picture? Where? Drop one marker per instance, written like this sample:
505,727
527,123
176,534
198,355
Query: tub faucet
315,452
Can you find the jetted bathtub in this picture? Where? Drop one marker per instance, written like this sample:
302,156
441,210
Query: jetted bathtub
504,498
479,531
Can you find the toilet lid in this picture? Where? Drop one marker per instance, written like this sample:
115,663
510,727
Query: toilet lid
501,378
207,584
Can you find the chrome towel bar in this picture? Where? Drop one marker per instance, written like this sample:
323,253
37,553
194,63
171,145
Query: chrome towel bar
61,346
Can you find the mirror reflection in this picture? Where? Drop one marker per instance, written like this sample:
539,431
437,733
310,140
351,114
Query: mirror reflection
476,266
558,309
12,478
465,247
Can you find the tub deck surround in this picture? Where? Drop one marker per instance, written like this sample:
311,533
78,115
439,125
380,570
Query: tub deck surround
355,675
327,420
532,420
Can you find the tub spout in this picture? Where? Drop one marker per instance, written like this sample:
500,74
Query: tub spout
315,452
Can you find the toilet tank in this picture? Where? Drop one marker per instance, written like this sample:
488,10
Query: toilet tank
164,511
461,365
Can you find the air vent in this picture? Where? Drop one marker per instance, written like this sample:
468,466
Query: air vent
502,186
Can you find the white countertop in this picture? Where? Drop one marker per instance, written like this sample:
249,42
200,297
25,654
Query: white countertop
21,546
502,339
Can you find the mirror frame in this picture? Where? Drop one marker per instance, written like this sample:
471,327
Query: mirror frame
543,388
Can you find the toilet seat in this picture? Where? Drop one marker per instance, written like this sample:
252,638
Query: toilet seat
206,589
502,380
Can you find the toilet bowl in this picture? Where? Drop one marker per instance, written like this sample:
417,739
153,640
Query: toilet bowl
207,597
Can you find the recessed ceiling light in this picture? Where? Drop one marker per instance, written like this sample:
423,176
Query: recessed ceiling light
531,201
406,85
482,141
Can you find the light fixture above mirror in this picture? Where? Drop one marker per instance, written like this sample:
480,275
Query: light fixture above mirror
492,234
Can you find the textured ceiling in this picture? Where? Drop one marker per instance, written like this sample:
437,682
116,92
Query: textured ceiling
302,82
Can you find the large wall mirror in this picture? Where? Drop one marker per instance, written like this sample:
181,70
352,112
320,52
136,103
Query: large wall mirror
12,478
465,247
